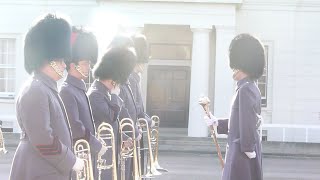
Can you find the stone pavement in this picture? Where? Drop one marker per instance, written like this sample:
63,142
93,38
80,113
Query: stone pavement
196,166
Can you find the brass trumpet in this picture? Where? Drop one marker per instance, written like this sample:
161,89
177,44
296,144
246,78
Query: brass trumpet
105,133
82,151
151,170
127,128
155,142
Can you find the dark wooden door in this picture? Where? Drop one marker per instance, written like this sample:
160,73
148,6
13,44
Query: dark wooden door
168,95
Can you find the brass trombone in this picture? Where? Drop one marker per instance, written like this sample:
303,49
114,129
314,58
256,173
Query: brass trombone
127,129
151,168
82,151
155,142
105,133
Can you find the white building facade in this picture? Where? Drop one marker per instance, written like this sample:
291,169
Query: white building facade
189,42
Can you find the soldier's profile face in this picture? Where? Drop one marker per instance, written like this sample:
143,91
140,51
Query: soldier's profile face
61,64
140,67
85,67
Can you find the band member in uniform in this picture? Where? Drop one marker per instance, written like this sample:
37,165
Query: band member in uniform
45,150
112,71
243,158
141,47
73,91
129,109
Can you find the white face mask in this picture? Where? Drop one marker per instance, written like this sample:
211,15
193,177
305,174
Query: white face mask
235,73
56,68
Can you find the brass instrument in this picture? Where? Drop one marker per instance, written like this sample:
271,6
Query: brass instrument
151,168
82,151
105,133
155,142
127,128
205,102
2,146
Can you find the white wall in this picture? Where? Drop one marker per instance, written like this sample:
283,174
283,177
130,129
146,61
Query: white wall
293,32
289,27
16,17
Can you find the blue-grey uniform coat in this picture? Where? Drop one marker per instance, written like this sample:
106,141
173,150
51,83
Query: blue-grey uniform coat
129,110
105,108
135,80
45,149
243,134
73,95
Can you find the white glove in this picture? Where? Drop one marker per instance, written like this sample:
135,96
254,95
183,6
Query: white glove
79,165
116,90
152,123
102,150
139,136
211,121
251,155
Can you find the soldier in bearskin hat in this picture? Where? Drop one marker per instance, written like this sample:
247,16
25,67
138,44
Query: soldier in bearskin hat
45,150
142,51
73,91
129,109
110,72
243,155
141,48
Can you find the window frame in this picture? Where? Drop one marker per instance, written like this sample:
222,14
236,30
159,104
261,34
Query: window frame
266,100
170,44
10,94
9,97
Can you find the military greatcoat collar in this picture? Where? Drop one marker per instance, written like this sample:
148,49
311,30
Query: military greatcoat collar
242,82
135,76
79,83
52,84
100,87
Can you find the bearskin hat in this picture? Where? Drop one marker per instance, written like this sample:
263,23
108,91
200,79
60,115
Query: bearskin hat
141,47
121,40
47,40
246,53
84,46
116,64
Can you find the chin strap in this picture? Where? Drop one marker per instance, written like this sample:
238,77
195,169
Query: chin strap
56,69
78,68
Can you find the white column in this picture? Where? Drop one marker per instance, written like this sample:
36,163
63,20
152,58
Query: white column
199,81
224,84
21,77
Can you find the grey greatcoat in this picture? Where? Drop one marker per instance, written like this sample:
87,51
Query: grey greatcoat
73,95
243,134
105,108
135,81
129,110
45,149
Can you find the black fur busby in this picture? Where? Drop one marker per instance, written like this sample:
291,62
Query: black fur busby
141,47
47,40
116,64
121,40
246,53
84,46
